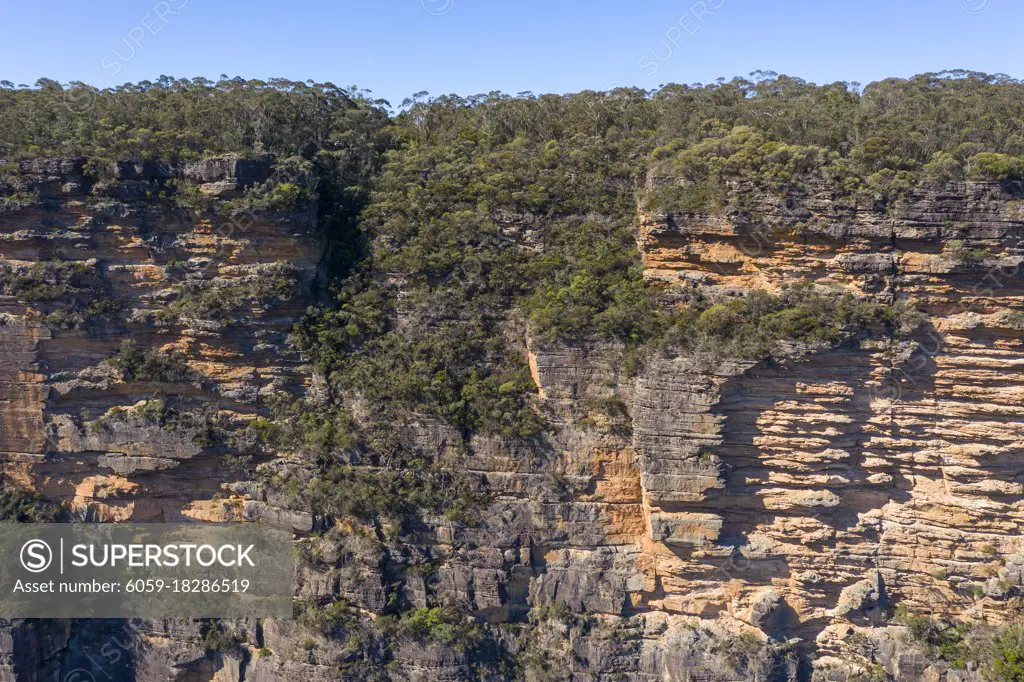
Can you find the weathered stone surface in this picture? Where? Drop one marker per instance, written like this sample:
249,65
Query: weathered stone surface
53,385
880,470
665,521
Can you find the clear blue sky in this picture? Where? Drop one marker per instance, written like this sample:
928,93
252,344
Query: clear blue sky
398,47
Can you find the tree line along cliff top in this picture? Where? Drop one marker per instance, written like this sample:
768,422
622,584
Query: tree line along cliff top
893,124
494,208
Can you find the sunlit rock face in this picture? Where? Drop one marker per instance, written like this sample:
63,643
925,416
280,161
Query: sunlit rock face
74,428
880,472
668,515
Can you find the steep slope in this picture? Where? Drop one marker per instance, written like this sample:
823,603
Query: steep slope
884,472
206,304
713,383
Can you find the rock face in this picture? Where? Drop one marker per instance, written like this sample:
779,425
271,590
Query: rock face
668,520
76,429
154,260
880,471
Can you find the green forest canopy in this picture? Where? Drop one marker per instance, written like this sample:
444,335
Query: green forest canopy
899,124
494,208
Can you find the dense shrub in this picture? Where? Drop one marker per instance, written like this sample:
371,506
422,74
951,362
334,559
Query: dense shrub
271,285
1007,654
752,327
997,650
370,644
486,211
17,505
455,373
293,184
219,639
50,280
444,626
702,174
315,431
151,364
993,166
589,282
394,496
62,294
941,639
99,310
958,253
202,426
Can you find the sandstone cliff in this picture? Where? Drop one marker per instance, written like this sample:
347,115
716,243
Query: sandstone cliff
731,520
179,284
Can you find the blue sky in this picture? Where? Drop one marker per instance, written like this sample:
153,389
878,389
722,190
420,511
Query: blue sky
398,47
